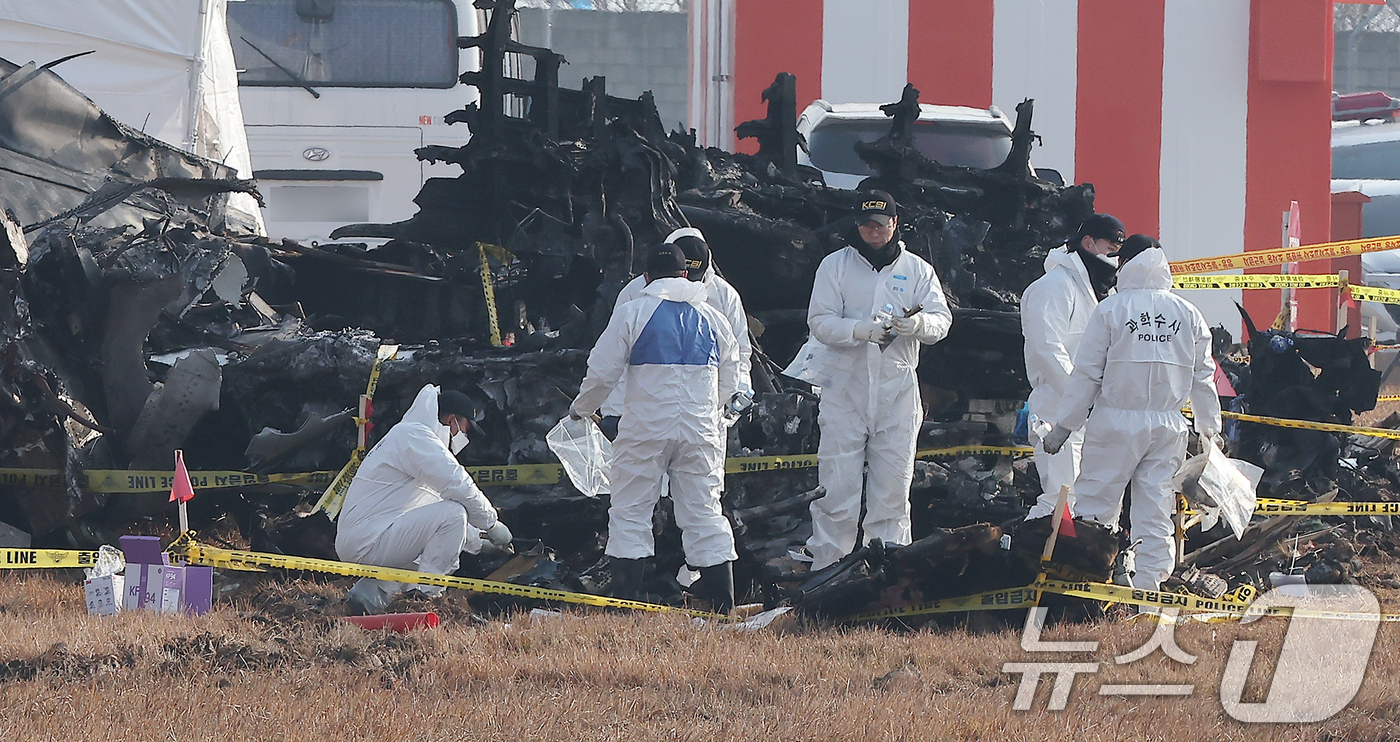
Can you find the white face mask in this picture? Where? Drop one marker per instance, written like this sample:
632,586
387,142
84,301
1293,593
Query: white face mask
454,443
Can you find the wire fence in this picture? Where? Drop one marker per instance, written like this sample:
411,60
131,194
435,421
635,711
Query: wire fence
611,6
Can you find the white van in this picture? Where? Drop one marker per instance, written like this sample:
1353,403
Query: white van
1366,159
337,94
950,135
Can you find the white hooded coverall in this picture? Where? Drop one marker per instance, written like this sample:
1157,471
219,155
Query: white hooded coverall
718,294
410,503
1055,309
682,363
1144,353
870,410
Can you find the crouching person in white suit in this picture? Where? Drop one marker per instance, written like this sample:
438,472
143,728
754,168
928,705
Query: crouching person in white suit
412,505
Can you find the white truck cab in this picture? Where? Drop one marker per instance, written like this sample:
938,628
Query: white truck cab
337,94
950,135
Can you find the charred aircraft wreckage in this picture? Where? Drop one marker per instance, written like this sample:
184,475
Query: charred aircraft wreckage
139,319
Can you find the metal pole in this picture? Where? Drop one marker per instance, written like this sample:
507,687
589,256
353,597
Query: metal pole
549,25
1287,306
1342,279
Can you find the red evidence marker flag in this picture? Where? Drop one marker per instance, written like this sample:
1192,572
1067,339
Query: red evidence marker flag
181,490
1067,524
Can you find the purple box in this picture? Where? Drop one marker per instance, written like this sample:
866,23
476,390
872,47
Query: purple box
133,589
198,596
173,587
152,586
142,550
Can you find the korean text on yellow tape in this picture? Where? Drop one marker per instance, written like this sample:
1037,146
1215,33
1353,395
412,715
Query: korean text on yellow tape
1279,256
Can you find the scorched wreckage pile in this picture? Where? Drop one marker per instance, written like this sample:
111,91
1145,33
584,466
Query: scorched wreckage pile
141,319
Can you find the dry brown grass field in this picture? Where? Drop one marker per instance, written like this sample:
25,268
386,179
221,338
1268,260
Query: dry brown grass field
265,667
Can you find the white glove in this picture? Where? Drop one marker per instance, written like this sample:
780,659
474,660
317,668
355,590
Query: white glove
576,415
1056,440
499,535
907,326
1217,441
872,332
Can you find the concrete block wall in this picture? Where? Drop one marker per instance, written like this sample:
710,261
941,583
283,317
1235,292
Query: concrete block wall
1377,64
636,51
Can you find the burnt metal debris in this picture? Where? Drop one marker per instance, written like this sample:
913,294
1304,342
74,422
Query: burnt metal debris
139,319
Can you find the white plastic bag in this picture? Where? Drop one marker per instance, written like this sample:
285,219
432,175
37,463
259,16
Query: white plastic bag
1220,487
110,561
585,453
812,364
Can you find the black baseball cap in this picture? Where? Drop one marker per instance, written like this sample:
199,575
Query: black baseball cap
696,251
1100,227
877,206
453,402
665,261
1134,246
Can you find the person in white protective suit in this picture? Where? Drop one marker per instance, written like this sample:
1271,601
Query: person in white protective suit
1145,352
411,505
718,294
873,305
1055,309
682,365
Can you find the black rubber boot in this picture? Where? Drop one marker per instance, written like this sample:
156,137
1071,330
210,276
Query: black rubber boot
716,585
627,577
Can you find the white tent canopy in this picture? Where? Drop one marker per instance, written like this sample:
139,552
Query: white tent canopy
164,67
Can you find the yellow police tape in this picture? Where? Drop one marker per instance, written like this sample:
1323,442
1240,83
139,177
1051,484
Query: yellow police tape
1190,603
992,600
334,496
1279,256
1010,598
1256,281
1308,425
1268,506
1028,596
45,558
1286,281
1372,293
1271,506
210,556
111,481
1388,398
1283,422
530,474
197,553
488,289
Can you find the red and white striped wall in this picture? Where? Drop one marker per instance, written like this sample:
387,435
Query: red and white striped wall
1198,121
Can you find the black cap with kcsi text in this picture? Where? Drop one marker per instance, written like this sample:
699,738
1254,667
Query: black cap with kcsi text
877,206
